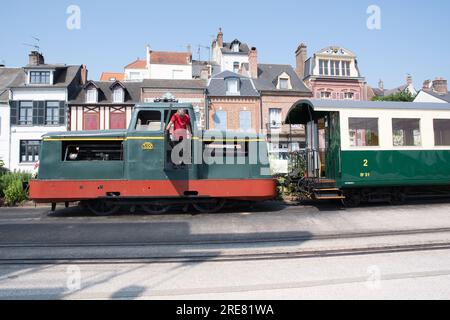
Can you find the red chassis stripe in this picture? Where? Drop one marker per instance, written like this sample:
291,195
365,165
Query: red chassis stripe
46,191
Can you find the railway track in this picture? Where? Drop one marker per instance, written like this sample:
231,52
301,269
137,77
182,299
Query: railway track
289,248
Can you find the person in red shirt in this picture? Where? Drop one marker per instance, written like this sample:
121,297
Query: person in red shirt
181,125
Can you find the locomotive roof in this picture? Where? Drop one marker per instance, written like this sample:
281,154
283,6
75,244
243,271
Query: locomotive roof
87,134
297,111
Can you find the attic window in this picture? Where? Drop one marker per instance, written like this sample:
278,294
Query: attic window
232,86
235,47
118,95
91,95
284,83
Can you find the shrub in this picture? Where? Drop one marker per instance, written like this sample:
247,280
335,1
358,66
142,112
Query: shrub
11,187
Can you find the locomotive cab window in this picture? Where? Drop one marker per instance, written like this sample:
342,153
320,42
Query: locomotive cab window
149,121
93,151
441,132
406,133
363,132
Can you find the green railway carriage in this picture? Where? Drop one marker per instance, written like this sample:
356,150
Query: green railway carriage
143,166
374,151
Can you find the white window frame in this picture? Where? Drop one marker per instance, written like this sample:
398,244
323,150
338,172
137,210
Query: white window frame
233,90
277,122
121,98
92,98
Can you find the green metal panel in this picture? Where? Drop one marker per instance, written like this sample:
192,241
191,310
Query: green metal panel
395,168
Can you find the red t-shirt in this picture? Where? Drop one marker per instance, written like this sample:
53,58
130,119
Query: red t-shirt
180,125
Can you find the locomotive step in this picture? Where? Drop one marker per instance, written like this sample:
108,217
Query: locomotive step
329,197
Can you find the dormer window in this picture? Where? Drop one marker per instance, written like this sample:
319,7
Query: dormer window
232,86
284,82
236,67
235,47
91,95
39,77
118,95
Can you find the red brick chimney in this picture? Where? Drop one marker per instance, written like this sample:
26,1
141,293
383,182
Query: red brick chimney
301,55
84,75
220,38
440,86
35,58
253,62
426,85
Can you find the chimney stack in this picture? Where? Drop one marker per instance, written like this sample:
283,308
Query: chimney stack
426,85
301,55
220,38
84,75
204,73
253,62
440,86
409,79
35,58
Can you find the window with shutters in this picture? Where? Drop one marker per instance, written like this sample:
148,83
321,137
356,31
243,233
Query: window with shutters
245,121
91,120
52,113
25,113
29,151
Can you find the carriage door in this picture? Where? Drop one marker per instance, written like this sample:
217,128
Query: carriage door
333,146
312,147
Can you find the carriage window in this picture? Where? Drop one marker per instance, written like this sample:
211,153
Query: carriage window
406,132
363,132
93,151
442,132
149,121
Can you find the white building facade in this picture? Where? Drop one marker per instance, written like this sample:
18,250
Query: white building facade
38,98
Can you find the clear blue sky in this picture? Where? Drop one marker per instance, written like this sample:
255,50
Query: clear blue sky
414,36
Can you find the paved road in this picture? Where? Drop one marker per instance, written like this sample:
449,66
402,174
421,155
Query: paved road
73,235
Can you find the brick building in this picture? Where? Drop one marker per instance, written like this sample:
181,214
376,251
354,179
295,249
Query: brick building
185,91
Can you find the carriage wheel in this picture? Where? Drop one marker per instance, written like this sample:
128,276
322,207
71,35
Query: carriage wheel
210,207
352,200
155,208
398,198
102,208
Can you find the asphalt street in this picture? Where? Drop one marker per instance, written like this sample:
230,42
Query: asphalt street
70,254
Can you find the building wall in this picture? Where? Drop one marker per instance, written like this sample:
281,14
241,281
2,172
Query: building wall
338,88
76,115
285,103
4,133
233,106
27,133
35,132
169,71
143,74
228,60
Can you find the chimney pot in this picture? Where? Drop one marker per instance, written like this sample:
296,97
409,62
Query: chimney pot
220,38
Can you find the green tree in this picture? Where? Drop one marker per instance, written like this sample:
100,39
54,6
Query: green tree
404,96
